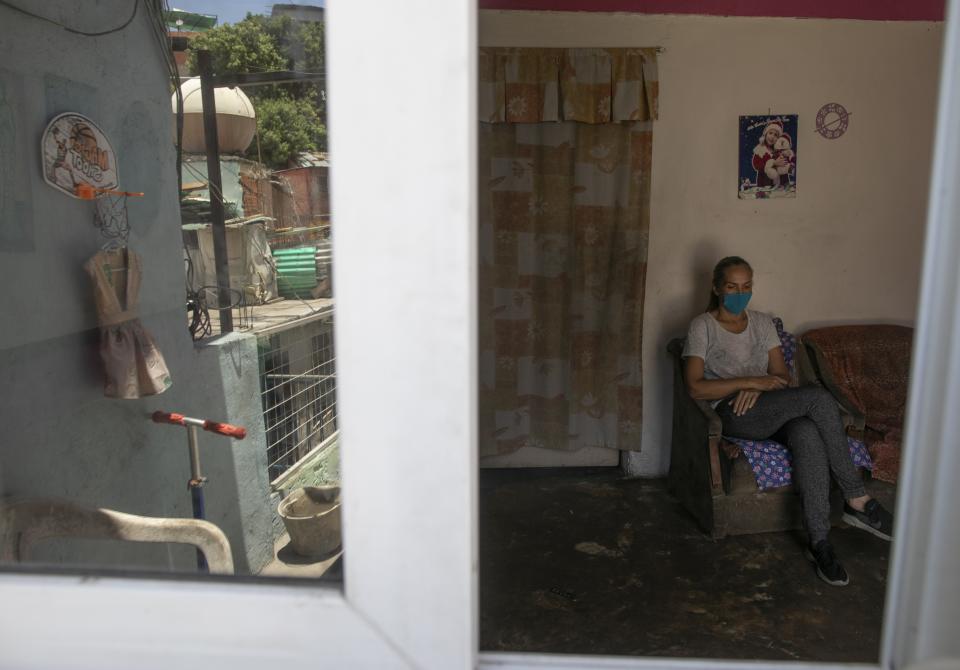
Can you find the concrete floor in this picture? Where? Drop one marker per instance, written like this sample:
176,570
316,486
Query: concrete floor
287,563
584,561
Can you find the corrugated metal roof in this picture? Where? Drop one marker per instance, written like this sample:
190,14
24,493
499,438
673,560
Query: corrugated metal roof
191,21
311,159
296,271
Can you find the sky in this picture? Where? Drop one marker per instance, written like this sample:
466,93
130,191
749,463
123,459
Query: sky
231,11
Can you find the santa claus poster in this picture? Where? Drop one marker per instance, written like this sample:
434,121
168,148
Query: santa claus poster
768,156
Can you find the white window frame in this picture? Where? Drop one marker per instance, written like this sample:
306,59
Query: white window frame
402,110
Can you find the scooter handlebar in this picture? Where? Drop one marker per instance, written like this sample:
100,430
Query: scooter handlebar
168,417
236,432
225,429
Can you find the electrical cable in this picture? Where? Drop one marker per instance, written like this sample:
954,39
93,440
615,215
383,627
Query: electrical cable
196,301
197,311
156,9
75,31
215,193
211,188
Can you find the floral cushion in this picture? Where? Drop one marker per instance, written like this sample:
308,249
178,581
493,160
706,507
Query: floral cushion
788,344
770,461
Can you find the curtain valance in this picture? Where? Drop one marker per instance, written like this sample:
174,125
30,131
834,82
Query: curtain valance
520,85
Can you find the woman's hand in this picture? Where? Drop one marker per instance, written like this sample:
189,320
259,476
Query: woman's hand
744,401
767,383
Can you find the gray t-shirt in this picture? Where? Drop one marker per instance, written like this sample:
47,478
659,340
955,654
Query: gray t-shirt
727,355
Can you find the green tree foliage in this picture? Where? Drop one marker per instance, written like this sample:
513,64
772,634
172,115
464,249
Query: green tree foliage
238,47
288,126
291,118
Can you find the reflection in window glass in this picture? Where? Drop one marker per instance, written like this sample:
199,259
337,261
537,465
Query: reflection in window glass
170,395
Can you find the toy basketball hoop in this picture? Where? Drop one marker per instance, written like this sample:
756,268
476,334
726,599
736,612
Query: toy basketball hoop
77,156
79,160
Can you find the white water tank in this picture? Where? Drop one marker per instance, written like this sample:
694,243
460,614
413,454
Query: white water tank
236,120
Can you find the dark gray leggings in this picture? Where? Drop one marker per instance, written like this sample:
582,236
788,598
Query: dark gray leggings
807,420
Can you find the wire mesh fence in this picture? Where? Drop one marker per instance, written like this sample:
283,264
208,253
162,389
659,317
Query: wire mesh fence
298,384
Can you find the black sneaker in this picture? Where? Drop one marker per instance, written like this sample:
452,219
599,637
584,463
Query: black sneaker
873,519
828,567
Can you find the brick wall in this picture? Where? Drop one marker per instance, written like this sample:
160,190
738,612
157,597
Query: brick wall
311,194
257,195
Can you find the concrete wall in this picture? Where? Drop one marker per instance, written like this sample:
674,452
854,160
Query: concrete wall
848,248
319,469
246,186
58,435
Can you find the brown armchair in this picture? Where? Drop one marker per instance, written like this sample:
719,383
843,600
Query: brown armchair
866,368
712,479
719,491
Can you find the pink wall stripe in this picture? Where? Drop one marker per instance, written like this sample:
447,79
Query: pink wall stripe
868,10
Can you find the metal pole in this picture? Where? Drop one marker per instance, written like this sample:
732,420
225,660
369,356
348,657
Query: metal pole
196,486
193,443
215,186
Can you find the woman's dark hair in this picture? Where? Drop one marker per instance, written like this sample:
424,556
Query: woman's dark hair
720,276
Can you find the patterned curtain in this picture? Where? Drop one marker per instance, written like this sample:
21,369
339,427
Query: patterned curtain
586,85
564,215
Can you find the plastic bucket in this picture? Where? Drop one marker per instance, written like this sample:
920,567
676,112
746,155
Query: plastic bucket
312,517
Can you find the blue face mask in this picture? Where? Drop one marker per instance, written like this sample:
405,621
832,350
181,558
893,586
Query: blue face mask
736,302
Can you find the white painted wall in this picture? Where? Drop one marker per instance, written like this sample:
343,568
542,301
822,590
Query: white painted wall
848,249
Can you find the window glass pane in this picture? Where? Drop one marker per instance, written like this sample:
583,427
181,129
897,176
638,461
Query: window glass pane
170,381
663,475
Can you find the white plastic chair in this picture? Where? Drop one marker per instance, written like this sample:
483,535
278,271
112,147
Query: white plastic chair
23,524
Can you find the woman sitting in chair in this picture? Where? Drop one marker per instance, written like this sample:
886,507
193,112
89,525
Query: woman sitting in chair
734,360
